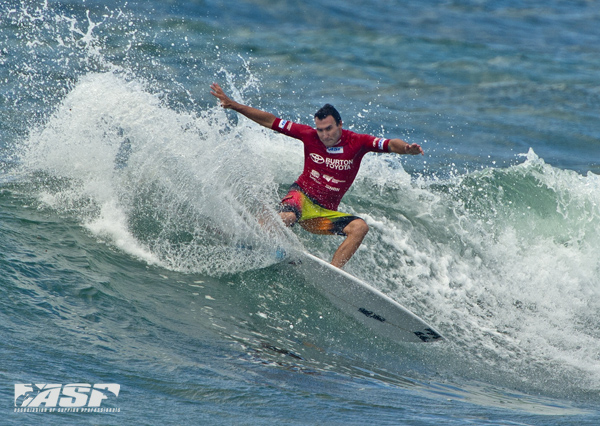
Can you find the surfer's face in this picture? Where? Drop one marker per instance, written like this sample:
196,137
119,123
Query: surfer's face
328,130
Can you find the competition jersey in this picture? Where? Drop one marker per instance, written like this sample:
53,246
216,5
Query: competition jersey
329,172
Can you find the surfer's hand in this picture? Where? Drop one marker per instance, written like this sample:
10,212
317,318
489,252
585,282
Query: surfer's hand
414,149
261,117
218,93
399,146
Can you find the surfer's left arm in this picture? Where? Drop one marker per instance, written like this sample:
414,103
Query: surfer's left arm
401,147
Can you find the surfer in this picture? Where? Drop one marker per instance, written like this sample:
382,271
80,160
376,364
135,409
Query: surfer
332,157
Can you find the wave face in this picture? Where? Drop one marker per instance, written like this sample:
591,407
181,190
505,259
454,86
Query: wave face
502,259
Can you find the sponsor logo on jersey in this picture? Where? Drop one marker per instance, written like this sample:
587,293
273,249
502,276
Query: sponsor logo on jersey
335,150
282,123
317,158
338,164
333,180
332,163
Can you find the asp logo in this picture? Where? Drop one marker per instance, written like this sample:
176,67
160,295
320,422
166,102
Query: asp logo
81,396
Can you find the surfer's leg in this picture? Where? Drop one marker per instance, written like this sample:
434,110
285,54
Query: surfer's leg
355,233
288,218
297,207
319,220
290,207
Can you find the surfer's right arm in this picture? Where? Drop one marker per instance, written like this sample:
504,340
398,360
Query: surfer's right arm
263,118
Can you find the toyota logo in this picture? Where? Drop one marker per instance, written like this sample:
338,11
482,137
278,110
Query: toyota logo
317,158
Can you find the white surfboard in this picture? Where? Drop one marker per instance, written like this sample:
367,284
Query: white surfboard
369,306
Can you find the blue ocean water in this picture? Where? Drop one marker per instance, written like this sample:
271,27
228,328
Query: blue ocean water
125,193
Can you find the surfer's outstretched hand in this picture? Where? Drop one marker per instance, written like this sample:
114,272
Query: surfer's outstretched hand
414,149
218,93
261,117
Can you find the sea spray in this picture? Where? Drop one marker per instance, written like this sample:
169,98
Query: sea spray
181,188
502,259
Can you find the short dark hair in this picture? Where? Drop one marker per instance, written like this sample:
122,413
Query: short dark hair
328,110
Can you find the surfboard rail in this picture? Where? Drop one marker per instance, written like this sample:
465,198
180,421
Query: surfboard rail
364,303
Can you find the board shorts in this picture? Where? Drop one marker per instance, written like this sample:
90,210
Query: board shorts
313,217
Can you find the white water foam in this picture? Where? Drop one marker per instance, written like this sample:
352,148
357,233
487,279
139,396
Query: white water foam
169,187
503,261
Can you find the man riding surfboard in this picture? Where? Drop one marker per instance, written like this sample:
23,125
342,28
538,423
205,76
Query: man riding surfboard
332,157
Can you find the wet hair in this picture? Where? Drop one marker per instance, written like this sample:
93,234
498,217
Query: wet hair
328,110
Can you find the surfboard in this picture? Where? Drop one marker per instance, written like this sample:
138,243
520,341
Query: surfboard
364,303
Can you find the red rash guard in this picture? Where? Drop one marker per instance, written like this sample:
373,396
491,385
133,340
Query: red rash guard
329,172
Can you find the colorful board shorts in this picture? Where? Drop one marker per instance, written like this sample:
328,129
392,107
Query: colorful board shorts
311,216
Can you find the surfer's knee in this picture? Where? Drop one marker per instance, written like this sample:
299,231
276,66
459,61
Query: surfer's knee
357,228
288,218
